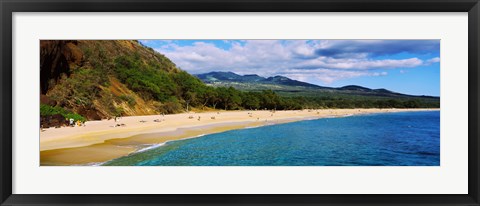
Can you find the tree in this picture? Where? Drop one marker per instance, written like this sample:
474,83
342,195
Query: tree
251,100
189,97
229,98
189,87
269,99
118,112
235,98
208,95
411,104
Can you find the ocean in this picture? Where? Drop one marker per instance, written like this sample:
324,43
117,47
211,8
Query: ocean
386,139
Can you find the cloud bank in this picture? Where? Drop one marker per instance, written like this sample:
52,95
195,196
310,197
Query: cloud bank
326,61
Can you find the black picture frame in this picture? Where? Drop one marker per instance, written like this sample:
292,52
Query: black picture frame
7,7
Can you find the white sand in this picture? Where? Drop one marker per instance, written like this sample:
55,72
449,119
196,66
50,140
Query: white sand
98,131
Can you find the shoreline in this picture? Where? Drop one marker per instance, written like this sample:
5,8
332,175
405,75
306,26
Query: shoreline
100,141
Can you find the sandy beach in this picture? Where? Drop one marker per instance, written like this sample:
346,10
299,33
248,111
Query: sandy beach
100,141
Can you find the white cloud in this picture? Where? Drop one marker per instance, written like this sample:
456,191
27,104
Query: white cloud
361,64
327,76
433,60
275,57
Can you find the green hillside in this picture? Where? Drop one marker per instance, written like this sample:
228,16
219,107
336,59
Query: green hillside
92,79
104,79
315,95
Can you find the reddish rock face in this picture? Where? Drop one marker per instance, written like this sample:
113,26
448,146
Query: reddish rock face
86,61
90,114
56,59
44,99
55,120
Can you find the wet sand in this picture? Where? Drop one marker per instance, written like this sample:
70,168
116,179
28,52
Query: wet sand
101,141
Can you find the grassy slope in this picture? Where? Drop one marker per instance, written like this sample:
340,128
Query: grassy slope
326,94
113,78
93,88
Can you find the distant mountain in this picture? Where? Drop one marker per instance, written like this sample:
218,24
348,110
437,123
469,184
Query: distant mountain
355,88
290,82
101,79
253,82
230,77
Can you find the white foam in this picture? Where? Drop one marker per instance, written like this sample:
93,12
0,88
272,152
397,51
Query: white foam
153,146
90,164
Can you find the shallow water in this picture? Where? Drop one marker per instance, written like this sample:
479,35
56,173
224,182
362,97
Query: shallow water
395,139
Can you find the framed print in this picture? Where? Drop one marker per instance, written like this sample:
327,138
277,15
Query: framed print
264,102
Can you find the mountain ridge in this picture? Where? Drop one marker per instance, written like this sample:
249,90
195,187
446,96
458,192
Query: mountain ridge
101,79
250,78
219,78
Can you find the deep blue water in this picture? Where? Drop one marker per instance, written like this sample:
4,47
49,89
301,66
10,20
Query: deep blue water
405,138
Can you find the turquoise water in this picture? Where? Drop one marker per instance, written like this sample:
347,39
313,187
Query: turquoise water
400,139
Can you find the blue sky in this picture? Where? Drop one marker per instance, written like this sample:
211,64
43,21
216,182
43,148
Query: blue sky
405,66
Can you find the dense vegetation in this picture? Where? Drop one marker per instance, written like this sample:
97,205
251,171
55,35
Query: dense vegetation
46,110
181,90
90,90
116,78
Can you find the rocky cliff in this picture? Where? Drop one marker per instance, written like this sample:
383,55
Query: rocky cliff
80,76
